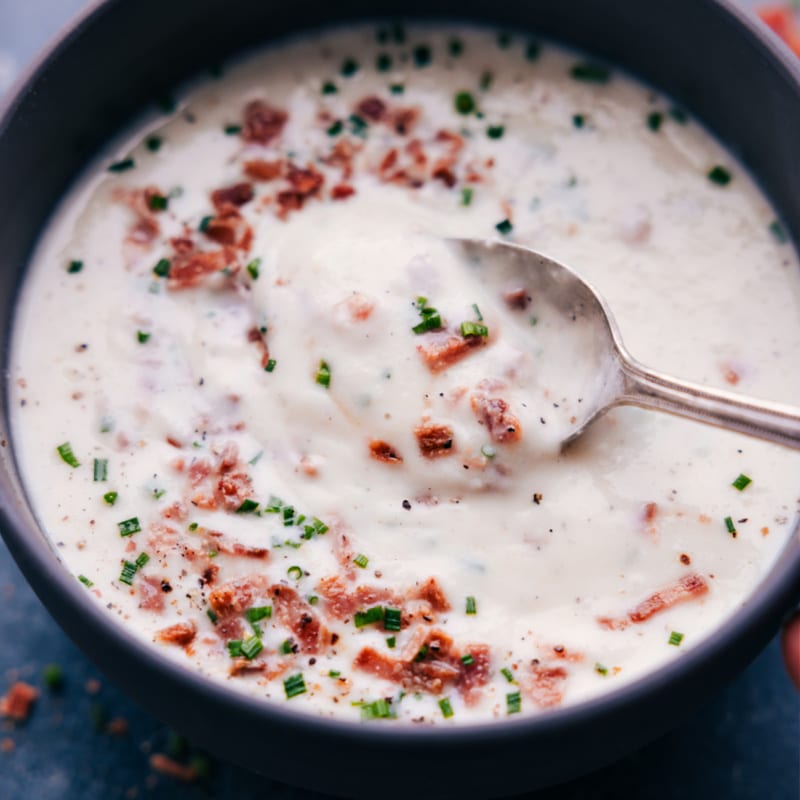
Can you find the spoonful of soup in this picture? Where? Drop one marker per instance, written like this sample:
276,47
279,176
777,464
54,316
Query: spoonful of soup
592,358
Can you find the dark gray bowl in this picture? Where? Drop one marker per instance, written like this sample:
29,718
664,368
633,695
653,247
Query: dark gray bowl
120,56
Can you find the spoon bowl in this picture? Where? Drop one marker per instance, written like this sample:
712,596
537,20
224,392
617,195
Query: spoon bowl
592,353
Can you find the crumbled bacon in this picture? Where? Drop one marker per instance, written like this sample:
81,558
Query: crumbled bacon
372,108
297,615
145,228
518,300
383,451
254,335
341,603
238,595
442,172
434,440
223,545
305,183
260,170
493,412
189,266
431,592
341,156
342,191
443,349
262,122
18,701
403,120
431,664
689,587
545,685
229,482
232,197
151,595
230,228
182,633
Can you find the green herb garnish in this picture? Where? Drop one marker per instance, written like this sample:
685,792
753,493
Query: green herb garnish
247,507
142,337
474,329
431,320
67,456
157,202
675,638
100,469
730,527
153,143
467,659
270,365
495,131
294,572
349,67
504,226
600,669
253,268
742,482
110,498
85,581
392,619
294,686
361,561
513,702
466,195
508,674
379,709
778,232
232,130
122,166
129,526
719,175
447,709
368,617
472,606
162,268
74,266
422,55
383,62
654,121
590,73
464,103
329,88
323,376
455,47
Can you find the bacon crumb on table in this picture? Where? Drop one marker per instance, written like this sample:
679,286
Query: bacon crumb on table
18,702
165,765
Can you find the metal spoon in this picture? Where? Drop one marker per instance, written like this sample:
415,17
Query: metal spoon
616,378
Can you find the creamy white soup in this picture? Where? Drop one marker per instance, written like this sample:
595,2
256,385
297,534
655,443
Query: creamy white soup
286,434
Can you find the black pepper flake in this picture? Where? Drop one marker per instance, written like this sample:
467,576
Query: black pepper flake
406,505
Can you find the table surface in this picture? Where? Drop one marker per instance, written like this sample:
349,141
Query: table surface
744,743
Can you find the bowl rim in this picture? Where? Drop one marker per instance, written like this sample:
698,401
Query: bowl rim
777,592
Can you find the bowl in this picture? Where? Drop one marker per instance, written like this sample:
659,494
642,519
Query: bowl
110,64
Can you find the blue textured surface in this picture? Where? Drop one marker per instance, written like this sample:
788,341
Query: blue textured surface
745,743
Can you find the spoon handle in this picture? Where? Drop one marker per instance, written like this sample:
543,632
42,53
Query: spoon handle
759,418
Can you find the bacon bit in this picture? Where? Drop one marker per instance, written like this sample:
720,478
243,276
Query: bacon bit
238,595
383,451
244,665
254,335
518,300
342,550
168,766
232,197
443,173
765,531
309,467
685,559
431,592
260,170
151,597
416,150
174,442
305,183
232,490
546,685
373,108
182,633
222,545
442,350
649,512
230,229
782,20
434,440
228,628
340,603
297,615
176,511
146,228
189,266
342,156
704,518
453,140
263,122
389,161
687,588
731,376
342,191
18,702
403,120
475,675
493,412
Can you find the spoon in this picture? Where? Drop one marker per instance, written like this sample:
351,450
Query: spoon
614,377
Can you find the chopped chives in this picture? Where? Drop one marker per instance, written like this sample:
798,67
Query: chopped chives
431,320
142,337
129,526
247,507
141,560
590,73
349,67
391,642
53,677
600,669
204,223
334,673
654,121
466,195
252,268
286,647
776,229
323,377
455,47
157,202
472,606
383,62
392,619
532,51
578,120
361,561
257,613
358,125
719,175
212,615
507,674
495,131
270,365
110,498
122,166
153,143
742,482
513,702
67,456
294,686
675,638
422,55
251,647
193,526
397,88
336,128
295,573
274,504
232,130
379,709
504,227
100,469
85,581
329,88
129,570
486,80
162,268
374,614
467,659
730,526
235,648
74,266
464,103
474,329
447,709
313,600
423,651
